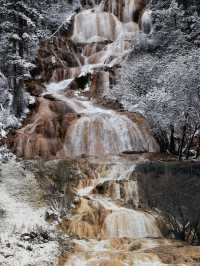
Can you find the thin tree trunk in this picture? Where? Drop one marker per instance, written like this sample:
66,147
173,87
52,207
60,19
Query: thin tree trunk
198,148
18,97
182,143
163,140
172,142
190,142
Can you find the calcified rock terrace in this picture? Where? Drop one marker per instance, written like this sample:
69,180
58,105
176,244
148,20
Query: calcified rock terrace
71,119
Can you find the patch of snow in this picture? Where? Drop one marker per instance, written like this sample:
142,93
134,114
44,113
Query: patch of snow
21,211
14,251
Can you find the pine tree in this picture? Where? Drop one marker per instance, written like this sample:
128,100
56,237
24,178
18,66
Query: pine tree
17,25
22,24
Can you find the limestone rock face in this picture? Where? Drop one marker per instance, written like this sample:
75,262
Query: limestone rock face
44,133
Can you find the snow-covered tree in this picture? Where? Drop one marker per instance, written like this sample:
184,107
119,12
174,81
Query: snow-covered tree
167,92
22,25
160,77
17,27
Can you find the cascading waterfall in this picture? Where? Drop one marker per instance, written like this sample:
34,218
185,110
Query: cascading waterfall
110,223
103,33
99,132
129,223
100,40
106,133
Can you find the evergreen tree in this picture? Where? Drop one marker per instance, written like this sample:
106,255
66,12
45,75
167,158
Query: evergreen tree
17,26
22,25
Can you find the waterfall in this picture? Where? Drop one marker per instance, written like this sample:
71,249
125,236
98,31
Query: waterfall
100,132
106,133
71,122
130,223
99,41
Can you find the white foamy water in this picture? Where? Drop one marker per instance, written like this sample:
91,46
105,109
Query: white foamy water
120,171
58,87
104,133
123,222
100,131
90,27
94,253
130,223
116,172
85,191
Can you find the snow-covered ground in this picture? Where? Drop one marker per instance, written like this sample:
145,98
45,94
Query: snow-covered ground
25,237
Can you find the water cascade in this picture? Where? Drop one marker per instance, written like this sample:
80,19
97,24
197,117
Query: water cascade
69,120
72,120
101,216
100,132
130,223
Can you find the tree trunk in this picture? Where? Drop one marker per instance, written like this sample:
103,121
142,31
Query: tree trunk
198,148
172,142
182,143
190,142
18,103
162,140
